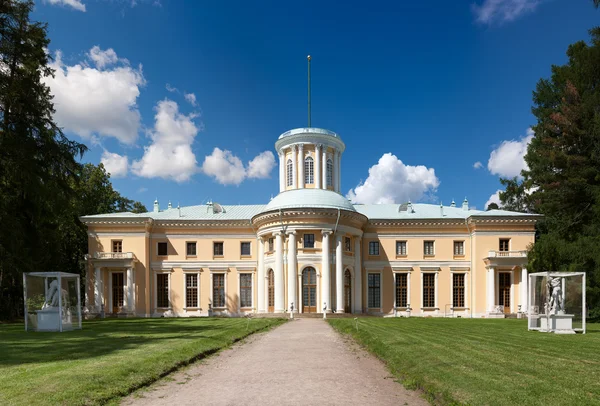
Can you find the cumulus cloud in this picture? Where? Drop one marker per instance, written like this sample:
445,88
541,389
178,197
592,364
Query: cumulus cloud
508,160
102,58
477,165
100,102
115,164
225,167
260,167
391,181
500,11
190,98
76,4
495,198
169,156
171,88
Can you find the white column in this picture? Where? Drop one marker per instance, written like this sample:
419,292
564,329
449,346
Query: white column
335,171
292,271
324,167
98,288
339,171
294,166
318,166
491,289
281,172
339,276
261,275
130,289
326,277
301,166
357,277
279,293
524,291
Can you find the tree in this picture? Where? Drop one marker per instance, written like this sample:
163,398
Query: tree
516,196
492,206
37,162
564,168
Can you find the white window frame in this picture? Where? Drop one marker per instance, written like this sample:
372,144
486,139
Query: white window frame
381,290
405,248
329,172
378,248
110,288
223,271
241,253
465,272
185,274
425,254
309,170
156,290
314,240
186,249
462,242
289,172
435,271
240,273
407,272
112,245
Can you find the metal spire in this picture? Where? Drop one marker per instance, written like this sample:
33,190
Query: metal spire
308,57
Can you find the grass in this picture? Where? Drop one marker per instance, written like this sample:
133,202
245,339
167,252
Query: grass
108,358
484,362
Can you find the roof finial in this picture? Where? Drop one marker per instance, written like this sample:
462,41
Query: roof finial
308,57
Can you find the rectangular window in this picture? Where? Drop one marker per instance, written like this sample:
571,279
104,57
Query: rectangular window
400,247
218,289
401,290
191,249
270,245
458,290
348,244
374,290
329,173
162,248
290,172
428,248
162,290
245,249
218,249
191,290
309,171
459,248
504,242
246,290
309,241
117,246
373,247
428,290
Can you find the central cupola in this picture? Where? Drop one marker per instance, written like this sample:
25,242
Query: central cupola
309,158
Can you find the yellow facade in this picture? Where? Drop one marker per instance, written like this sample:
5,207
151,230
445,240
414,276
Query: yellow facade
324,253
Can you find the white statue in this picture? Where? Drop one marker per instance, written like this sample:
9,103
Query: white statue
52,297
555,298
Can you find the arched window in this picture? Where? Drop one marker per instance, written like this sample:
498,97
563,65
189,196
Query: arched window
329,172
309,171
290,174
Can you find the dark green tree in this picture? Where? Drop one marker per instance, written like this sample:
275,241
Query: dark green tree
492,206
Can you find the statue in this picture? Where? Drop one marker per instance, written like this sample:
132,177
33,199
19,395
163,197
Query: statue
555,303
52,296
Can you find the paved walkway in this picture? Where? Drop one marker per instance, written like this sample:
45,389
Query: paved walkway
301,362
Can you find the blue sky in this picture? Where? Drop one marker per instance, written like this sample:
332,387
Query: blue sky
184,100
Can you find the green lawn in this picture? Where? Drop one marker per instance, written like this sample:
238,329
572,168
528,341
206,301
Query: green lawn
108,358
485,362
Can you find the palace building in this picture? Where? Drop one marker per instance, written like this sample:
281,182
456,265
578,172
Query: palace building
309,250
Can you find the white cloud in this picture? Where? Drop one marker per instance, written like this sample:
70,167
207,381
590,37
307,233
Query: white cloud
76,4
500,11
495,198
171,88
115,164
94,102
142,190
507,160
391,181
190,98
102,58
260,167
477,165
225,167
170,155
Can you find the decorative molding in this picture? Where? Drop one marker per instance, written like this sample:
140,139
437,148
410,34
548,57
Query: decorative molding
158,265
414,264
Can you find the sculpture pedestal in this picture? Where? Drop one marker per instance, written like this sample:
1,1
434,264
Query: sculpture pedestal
49,320
557,323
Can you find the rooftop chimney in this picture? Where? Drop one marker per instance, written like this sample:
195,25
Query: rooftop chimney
453,204
441,209
156,206
465,204
169,206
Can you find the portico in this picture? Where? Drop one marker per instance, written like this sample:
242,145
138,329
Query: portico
114,286
505,270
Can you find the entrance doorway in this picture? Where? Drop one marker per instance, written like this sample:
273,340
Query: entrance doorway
118,291
347,292
309,290
271,291
504,291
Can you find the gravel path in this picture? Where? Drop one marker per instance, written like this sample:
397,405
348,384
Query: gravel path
301,362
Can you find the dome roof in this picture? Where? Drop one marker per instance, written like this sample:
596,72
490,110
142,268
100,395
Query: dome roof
314,198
